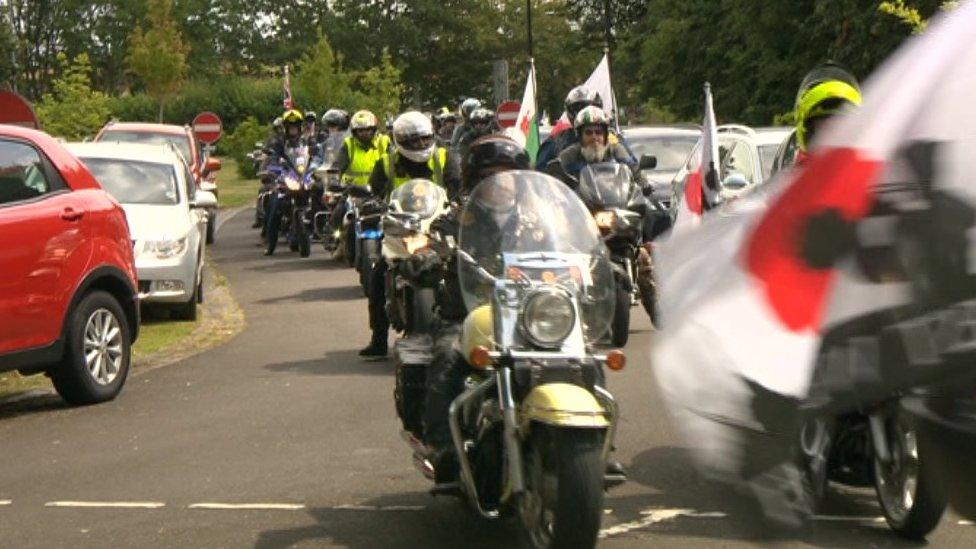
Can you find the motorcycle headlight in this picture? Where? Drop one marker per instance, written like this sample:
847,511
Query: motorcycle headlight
166,248
548,317
605,219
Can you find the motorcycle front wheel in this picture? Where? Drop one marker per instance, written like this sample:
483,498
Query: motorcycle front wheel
302,240
912,501
620,329
563,500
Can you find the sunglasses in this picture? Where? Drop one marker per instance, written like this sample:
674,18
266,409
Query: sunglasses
593,131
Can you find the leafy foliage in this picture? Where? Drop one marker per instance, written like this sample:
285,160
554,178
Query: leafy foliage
73,110
241,142
157,55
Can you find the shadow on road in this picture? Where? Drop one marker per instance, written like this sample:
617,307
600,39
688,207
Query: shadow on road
336,363
330,293
443,522
33,402
277,264
671,473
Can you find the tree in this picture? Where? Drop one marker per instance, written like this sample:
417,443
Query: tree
157,56
320,80
379,88
73,111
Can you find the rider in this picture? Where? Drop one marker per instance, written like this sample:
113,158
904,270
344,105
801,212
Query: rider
292,120
824,91
468,106
445,121
578,98
592,128
481,123
414,155
358,155
308,129
445,375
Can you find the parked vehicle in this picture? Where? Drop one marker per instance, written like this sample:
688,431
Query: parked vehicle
167,218
746,156
68,300
203,166
534,426
670,145
406,231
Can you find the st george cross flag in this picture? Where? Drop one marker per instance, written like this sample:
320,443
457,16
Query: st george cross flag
879,225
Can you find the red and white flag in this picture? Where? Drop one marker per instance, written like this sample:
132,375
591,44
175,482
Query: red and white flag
701,187
746,297
286,101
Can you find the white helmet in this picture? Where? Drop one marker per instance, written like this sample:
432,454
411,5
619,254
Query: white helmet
413,135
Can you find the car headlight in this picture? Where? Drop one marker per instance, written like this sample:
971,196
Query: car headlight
548,317
166,248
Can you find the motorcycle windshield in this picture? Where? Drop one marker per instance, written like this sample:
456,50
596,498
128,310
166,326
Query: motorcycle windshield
298,158
606,185
536,222
418,196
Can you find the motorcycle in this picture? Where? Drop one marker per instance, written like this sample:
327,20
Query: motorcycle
293,177
618,206
406,226
369,236
534,426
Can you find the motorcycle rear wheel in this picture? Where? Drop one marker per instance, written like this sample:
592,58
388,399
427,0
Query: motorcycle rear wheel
563,501
912,501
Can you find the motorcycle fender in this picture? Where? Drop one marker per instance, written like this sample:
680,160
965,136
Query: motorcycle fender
562,405
477,330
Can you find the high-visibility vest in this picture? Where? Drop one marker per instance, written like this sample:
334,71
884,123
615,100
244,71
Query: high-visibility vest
362,160
436,163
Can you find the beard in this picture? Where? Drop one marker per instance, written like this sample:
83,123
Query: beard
593,153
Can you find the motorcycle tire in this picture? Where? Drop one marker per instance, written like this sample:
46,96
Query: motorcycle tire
302,241
422,311
620,329
569,463
929,501
370,251
350,243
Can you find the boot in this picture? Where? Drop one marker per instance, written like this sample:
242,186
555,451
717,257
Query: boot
376,348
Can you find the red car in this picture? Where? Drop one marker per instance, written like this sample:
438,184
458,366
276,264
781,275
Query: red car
68,291
204,168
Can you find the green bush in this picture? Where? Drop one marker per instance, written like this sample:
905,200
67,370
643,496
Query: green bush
241,142
73,111
133,108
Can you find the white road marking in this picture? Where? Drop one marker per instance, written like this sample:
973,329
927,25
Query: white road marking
653,516
251,506
5,502
841,518
967,523
108,504
223,216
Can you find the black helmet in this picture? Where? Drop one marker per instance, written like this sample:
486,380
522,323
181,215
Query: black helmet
492,151
336,117
310,117
580,97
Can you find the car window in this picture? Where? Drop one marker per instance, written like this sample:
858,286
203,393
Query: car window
22,173
135,182
180,141
739,160
671,151
786,154
189,185
767,154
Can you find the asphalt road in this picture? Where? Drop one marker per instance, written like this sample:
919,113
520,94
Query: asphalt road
283,437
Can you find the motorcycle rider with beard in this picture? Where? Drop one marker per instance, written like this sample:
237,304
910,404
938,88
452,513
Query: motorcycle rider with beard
592,127
577,99
414,154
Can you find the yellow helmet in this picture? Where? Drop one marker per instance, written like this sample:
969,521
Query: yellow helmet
824,91
292,116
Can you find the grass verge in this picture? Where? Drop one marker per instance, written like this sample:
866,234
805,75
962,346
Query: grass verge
235,191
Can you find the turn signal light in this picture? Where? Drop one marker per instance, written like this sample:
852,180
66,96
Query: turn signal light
616,360
480,357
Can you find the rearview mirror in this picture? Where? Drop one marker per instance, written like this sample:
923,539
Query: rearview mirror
648,162
735,182
212,165
204,199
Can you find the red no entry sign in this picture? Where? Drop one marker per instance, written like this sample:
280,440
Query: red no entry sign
207,127
507,113
15,110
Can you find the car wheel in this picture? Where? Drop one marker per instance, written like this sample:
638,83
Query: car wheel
188,310
98,351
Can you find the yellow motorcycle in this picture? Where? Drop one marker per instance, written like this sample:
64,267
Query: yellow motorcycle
535,424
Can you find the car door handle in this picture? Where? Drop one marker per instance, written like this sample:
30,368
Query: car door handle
71,214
